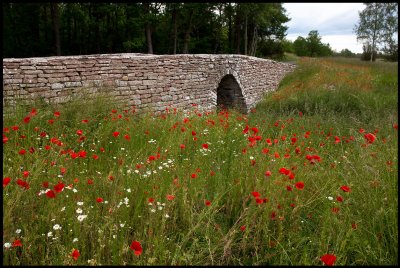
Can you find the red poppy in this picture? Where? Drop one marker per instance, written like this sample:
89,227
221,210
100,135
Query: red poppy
85,121
50,194
182,146
345,188
79,132
243,227
207,203
339,198
151,200
127,137
193,176
45,184
99,200
256,194
284,171
23,184
370,137
259,200
15,128
328,259
289,188
354,226
57,113
95,157
27,119
170,197
267,173
6,181
136,247
59,187
89,181
17,243
335,210
299,185
75,254
33,112
205,146
22,152
5,139
116,133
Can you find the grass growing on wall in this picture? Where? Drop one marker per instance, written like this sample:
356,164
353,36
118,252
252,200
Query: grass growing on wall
311,171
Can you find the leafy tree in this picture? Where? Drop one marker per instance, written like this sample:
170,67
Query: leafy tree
300,46
346,53
311,46
377,26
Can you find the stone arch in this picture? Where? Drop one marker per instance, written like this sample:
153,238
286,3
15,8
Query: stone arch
230,95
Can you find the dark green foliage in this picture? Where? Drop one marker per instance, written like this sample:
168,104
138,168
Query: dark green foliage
311,46
49,29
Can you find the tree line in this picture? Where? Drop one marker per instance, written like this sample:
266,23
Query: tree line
48,29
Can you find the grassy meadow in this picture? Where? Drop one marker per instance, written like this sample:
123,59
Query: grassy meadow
308,177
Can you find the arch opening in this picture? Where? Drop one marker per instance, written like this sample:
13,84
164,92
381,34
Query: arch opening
229,95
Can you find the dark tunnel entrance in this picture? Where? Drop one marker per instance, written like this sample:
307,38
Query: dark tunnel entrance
229,95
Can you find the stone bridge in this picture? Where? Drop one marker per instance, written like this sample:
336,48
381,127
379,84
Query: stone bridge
145,81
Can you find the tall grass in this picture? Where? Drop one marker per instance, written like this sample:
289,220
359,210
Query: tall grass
187,204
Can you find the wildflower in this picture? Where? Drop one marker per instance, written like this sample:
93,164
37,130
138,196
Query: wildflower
56,227
7,245
75,254
330,198
17,243
116,133
170,197
127,137
49,234
335,210
299,185
339,198
267,173
79,211
255,194
22,152
205,146
345,188
370,137
243,227
6,181
99,200
23,184
57,114
59,187
81,217
27,119
136,247
328,259
79,132
193,176
18,231
25,174
50,194
207,203
74,240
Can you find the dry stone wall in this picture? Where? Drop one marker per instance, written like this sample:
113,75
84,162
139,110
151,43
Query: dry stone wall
141,80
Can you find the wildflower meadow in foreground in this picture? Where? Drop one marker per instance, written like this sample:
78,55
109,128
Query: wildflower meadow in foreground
105,185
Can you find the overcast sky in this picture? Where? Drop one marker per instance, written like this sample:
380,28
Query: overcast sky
333,21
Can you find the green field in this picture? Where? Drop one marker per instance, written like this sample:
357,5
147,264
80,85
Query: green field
311,170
